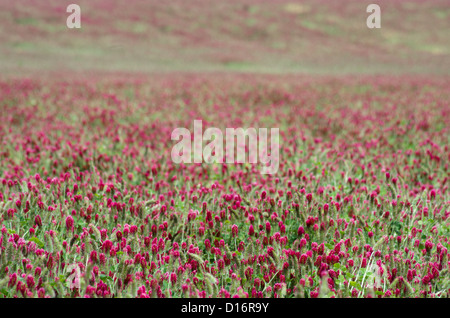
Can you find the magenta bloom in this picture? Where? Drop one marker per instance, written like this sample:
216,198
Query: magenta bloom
173,278
268,227
38,220
314,294
30,281
321,249
251,230
433,194
263,195
364,263
41,292
300,231
234,230
107,244
303,259
93,257
207,244
428,245
12,279
69,223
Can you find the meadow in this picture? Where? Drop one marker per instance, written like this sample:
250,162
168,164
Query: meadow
92,205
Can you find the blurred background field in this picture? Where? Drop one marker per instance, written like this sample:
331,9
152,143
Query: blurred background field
257,36
87,117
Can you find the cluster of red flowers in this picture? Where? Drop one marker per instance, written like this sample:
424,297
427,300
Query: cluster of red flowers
358,208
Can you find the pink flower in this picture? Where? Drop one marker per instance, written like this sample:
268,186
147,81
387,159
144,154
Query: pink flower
426,279
102,258
69,223
268,227
428,245
38,220
364,263
251,230
433,194
30,281
303,259
173,278
41,292
263,195
234,230
12,280
93,257
107,244
321,249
